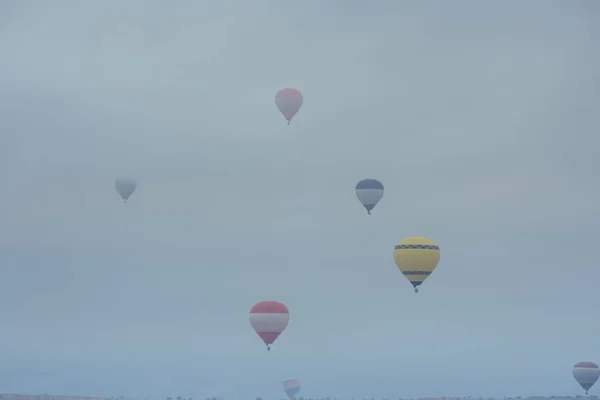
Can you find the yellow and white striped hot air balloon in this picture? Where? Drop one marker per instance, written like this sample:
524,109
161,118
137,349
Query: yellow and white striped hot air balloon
416,257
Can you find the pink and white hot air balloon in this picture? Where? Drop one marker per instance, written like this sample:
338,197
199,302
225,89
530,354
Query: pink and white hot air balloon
269,319
288,101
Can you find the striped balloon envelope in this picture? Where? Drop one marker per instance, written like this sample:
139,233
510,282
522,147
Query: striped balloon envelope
416,257
586,373
369,192
288,101
269,319
291,387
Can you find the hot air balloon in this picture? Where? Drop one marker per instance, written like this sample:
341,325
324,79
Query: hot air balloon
586,373
288,101
369,192
291,388
269,319
416,257
125,187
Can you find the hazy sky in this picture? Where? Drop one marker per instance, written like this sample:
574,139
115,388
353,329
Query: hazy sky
480,118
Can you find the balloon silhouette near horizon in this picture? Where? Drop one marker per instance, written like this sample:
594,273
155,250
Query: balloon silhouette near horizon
586,373
291,388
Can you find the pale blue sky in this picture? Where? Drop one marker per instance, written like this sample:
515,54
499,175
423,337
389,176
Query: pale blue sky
481,119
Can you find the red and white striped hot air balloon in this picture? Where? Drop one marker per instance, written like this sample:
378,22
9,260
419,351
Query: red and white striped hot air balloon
269,319
288,101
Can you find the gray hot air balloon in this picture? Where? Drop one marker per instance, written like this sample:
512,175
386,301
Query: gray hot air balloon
125,187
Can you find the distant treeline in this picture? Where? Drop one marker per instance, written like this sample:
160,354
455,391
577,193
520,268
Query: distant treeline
591,397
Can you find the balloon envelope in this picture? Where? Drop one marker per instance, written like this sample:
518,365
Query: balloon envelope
369,192
416,257
288,101
269,319
586,373
291,388
125,187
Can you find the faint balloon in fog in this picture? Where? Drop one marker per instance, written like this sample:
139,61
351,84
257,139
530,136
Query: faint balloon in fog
288,101
291,387
125,187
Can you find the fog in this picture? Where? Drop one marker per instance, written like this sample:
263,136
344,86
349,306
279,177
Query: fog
480,118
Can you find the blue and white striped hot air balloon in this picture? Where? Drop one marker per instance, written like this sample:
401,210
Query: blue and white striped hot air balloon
586,373
369,192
